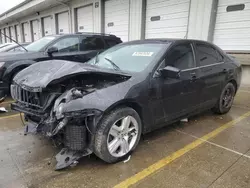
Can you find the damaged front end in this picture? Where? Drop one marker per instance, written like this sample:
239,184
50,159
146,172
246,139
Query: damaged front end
49,111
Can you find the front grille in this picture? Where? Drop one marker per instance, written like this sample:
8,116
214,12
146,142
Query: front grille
30,99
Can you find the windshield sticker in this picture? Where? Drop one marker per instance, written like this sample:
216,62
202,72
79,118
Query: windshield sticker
147,54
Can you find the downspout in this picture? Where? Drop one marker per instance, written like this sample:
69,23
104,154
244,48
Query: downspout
70,14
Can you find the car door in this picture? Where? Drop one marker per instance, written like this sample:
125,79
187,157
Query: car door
212,73
68,49
90,46
175,97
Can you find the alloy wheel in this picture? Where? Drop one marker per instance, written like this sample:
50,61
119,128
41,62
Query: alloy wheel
122,136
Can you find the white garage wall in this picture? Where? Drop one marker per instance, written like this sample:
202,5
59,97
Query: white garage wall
7,32
35,30
1,36
18,33
175,20
200,19
12,32
47,26
232,29
85,19
62,23
116,18
26,32
167,19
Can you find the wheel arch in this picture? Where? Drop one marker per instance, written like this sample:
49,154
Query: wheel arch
234,83
16,67
128,103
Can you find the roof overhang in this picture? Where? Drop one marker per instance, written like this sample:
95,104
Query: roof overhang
27,8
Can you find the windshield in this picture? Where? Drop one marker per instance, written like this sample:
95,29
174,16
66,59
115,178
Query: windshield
131,58
40,44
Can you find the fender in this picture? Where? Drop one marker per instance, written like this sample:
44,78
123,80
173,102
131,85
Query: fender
16,67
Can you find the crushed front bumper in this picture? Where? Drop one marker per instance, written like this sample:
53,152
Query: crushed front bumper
27,111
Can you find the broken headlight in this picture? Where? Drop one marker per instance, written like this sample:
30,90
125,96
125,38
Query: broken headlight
59,111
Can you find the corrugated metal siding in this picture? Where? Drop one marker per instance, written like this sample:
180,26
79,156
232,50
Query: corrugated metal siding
232,29
63,23
85,21
171,18
117,18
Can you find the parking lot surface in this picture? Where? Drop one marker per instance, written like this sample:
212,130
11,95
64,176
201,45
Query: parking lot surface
207,151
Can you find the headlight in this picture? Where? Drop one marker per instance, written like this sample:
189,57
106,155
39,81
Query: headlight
2,64
59,111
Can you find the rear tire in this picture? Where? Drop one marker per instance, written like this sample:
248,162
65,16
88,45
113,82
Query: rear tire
117,134
226,99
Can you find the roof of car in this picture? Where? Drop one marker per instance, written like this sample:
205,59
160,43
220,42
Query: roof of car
84,33
164,40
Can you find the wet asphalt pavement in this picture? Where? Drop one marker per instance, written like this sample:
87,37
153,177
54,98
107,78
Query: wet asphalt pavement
28,161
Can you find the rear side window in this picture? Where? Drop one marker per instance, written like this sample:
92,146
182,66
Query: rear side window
112,42
181,57
207,55
92,43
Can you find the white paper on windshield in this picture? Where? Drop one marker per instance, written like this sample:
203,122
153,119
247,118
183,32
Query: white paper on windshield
145,54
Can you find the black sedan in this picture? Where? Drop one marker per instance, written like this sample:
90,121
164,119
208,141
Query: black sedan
105,105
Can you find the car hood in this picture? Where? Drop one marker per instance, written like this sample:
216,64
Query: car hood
17,56
40,75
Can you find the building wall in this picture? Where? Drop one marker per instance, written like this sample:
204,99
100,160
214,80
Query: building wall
201,13
198,28
201,17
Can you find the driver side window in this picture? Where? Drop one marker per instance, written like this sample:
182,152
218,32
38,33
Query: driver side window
70,44
181,57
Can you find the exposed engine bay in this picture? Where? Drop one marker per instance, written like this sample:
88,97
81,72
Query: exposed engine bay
49,112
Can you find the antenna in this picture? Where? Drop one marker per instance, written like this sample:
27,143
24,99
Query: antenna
13,41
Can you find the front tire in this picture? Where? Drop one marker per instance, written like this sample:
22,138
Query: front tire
226,99
117,135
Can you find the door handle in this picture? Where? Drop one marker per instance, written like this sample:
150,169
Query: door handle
225,71
193,76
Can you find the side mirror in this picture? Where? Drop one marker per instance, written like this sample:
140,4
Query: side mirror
170,72
52,50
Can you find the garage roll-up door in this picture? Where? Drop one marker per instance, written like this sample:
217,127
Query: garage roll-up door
63,23
117,18
2,36
232,26
7,32
26,32
167,19
12,33
85,19
18,33
35,30
47,26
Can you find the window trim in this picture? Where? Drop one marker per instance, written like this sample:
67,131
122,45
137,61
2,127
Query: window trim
61,38
169,50
208,45
100,37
